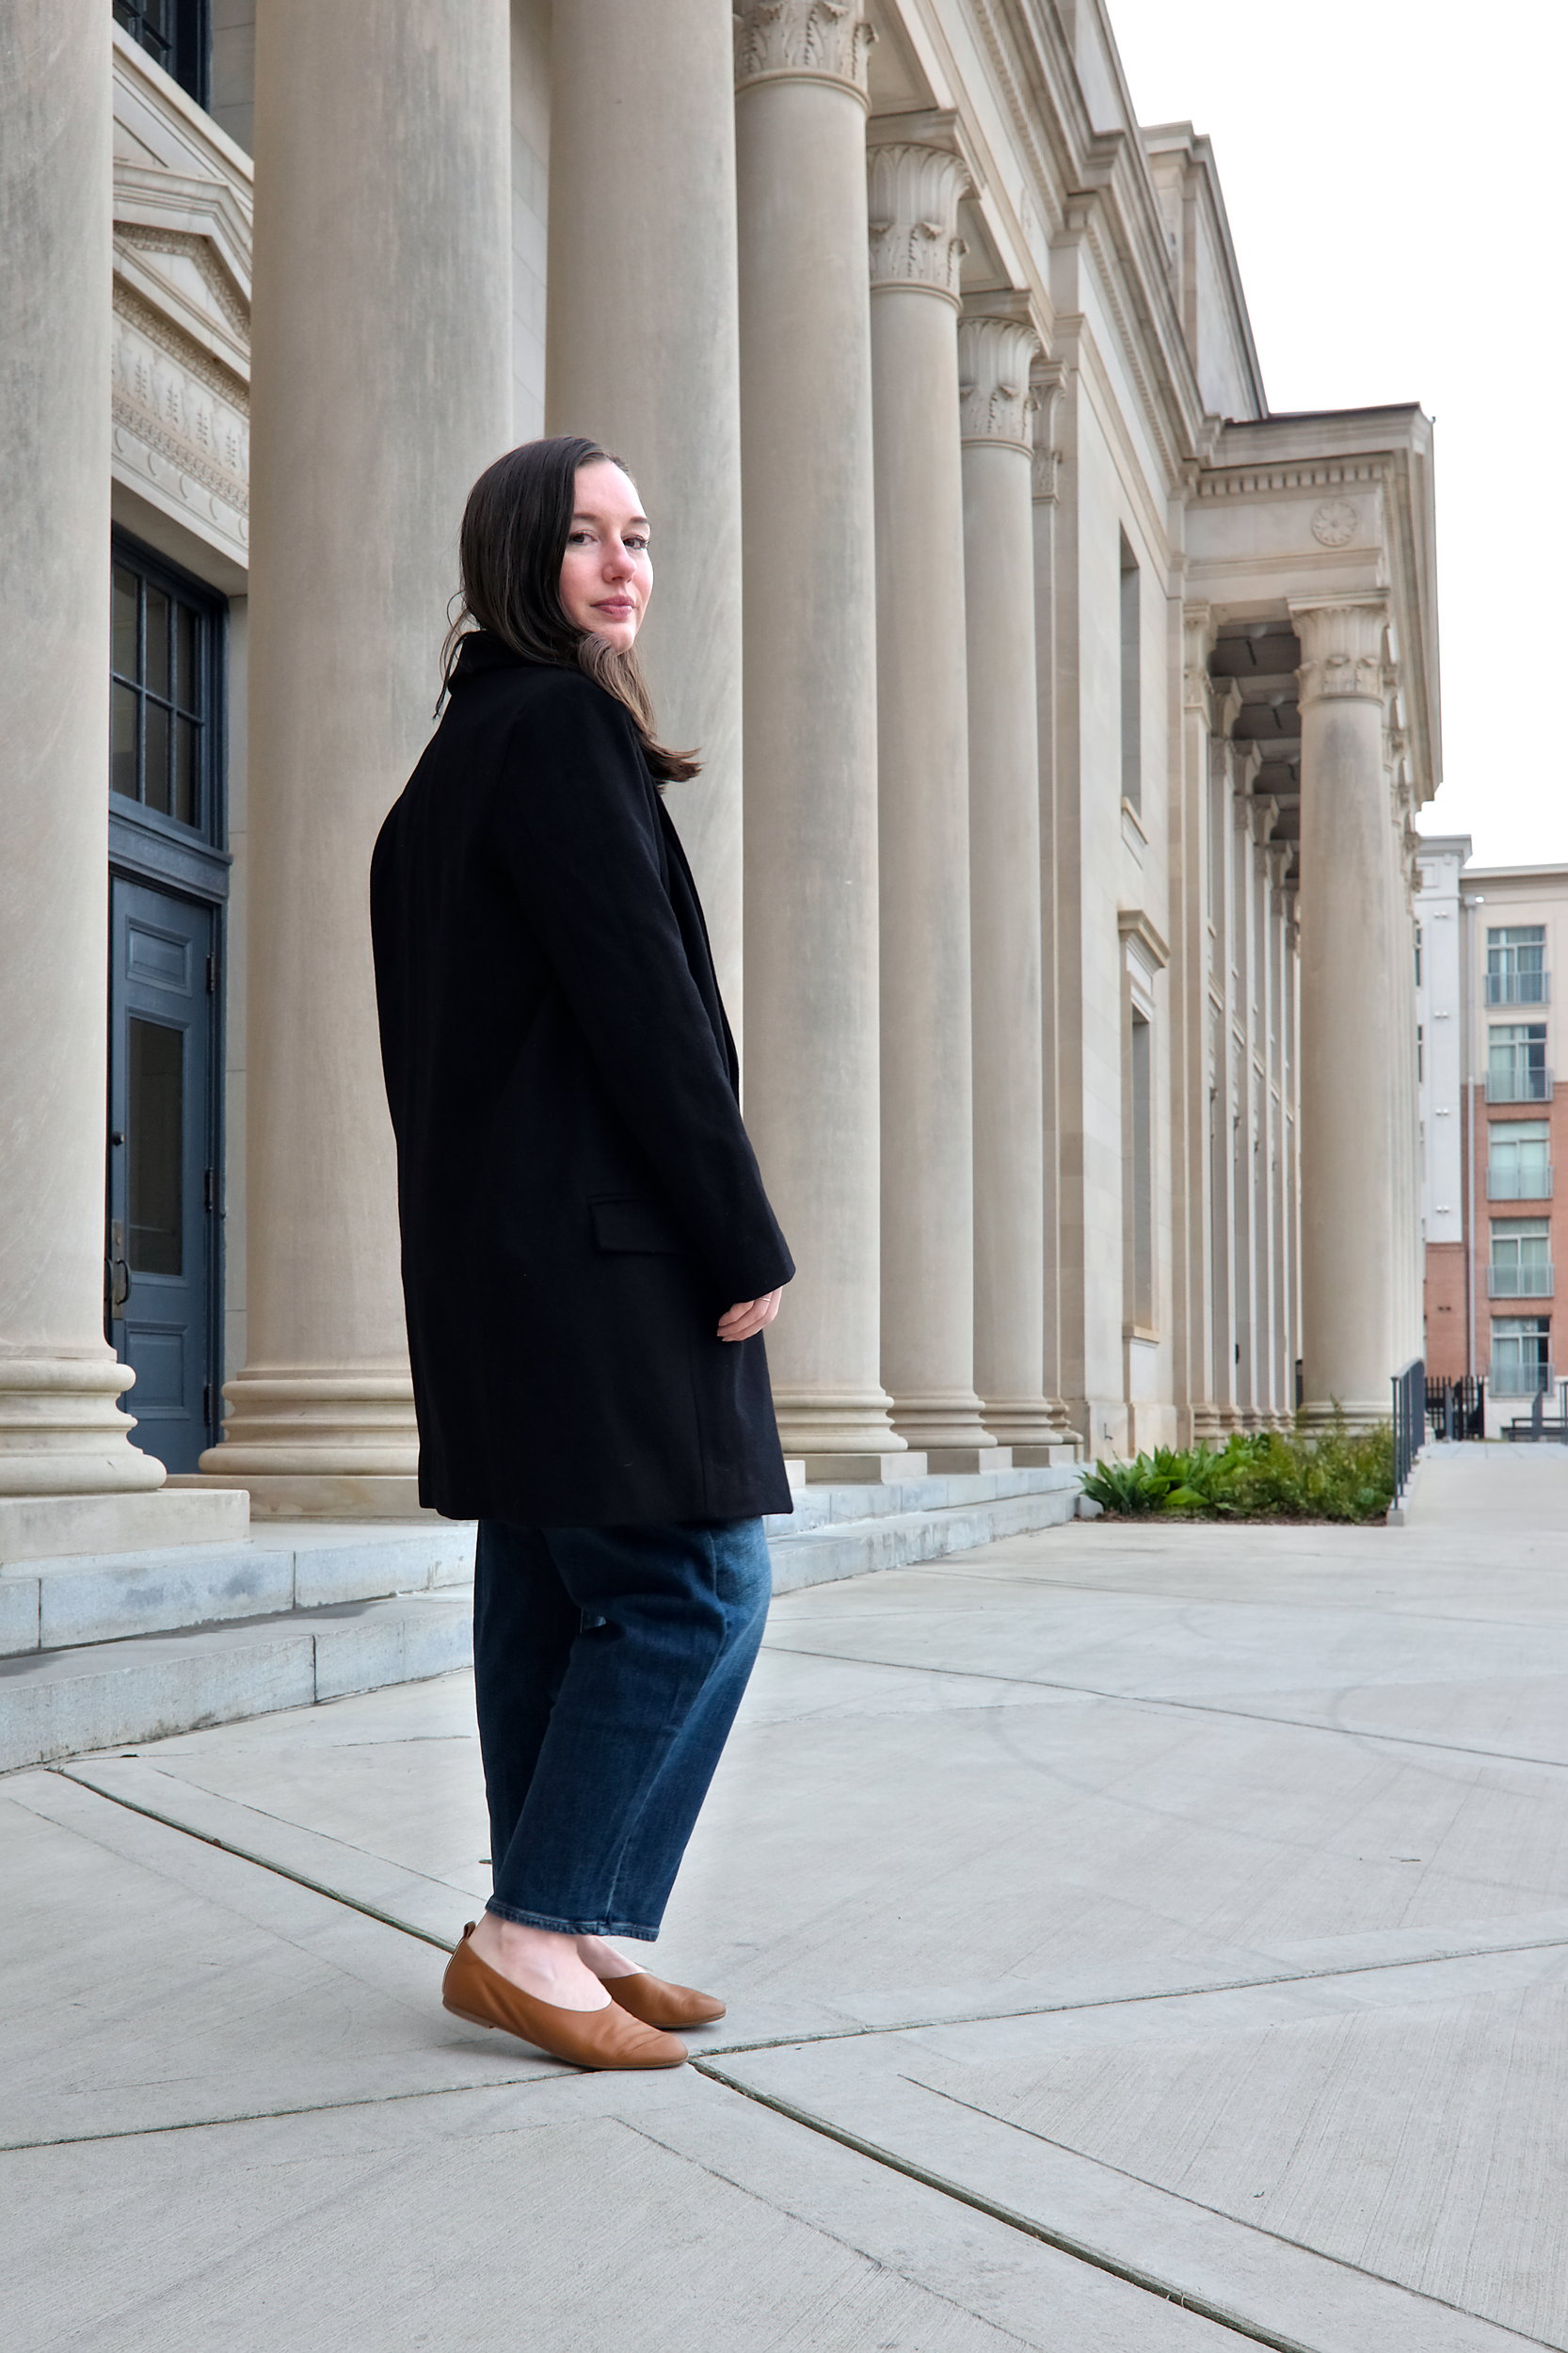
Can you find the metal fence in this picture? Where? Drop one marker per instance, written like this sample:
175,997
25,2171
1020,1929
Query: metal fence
1456,1408
1410,1420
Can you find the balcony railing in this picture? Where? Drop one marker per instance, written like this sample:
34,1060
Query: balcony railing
1507,1380
1531,1182
1518,1086
1518,988
1518,1282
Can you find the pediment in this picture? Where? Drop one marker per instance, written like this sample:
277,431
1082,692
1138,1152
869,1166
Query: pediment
183,248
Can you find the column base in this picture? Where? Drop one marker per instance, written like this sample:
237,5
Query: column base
1355,1417
317,1495
862,1471
965,1461
834,1421
51,1527
1052,1456
943,1418
63,1433
1019,1421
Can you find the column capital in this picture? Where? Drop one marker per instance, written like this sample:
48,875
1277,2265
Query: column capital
1199,634
914,216
1046,381
1342,642
812,40
996,397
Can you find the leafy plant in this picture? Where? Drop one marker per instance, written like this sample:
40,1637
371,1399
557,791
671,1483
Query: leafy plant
1335,1473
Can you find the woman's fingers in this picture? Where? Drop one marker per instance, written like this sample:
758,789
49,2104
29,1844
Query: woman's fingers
748,1316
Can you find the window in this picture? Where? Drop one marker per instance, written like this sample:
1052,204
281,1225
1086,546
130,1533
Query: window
175,35
1517,963
1132,746
1518,1161
1140,1168
1521,1266
162,694
1520,1361
1516,1064
1417,955
1420,1054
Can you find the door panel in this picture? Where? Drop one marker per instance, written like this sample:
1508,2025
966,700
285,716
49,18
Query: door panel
163,1135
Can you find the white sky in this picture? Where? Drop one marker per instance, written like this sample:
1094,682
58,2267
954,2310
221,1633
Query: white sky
1393,173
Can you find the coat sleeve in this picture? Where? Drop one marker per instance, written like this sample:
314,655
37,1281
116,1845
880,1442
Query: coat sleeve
575,831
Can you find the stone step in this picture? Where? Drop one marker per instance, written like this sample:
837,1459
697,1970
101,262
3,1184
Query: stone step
279,1630
107,1598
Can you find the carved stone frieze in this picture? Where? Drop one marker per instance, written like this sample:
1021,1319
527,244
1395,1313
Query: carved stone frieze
997,399
1342,648
914,217
1197,693
179,421
823,40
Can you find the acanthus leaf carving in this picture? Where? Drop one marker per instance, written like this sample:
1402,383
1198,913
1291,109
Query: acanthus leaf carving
1342,649
914,216
827,40
997,401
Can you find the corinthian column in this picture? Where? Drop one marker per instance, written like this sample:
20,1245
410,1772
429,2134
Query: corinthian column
993,356
379,390
61,1431
643,355
1348,984
810,708
923,816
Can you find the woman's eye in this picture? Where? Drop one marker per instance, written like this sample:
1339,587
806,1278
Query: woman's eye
577,538
635,541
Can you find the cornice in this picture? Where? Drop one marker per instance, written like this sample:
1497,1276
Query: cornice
913,216
1133,924
814,41
995,396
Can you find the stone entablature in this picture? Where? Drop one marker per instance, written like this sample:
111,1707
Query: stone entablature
180,390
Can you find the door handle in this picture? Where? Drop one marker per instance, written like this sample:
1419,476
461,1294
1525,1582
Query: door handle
119,1271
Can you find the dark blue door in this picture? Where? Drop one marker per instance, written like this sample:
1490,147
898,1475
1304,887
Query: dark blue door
163,1187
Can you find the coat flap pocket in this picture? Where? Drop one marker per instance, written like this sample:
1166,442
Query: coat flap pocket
627,1222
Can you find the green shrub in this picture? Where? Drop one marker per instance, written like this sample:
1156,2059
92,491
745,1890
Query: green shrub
1335,1475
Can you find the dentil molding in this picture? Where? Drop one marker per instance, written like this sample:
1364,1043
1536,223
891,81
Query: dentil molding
1342,649
824,41
914,217
996,397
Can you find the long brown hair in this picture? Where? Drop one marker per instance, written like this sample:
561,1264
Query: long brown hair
510,548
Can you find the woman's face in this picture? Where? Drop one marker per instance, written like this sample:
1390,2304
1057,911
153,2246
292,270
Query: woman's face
606,573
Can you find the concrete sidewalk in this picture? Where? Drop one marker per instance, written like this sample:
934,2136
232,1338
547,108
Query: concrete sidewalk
1137,1940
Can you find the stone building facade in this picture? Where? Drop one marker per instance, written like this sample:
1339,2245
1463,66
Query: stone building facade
1494,1127
1063,712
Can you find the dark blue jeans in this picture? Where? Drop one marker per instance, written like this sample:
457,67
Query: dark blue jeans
608,1664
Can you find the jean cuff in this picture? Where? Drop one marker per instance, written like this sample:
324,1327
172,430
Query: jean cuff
571,1928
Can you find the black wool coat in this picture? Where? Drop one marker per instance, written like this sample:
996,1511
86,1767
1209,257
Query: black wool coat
579,1200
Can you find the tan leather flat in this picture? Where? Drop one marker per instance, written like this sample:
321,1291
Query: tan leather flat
659,2003
608,2038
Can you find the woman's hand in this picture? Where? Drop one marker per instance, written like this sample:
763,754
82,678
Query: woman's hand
747,1317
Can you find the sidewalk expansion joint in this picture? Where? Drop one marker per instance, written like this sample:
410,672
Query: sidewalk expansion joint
1191,1708
1064,2242
262,1862
857,2031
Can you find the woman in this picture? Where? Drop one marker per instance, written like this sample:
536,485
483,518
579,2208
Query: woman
589,1259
